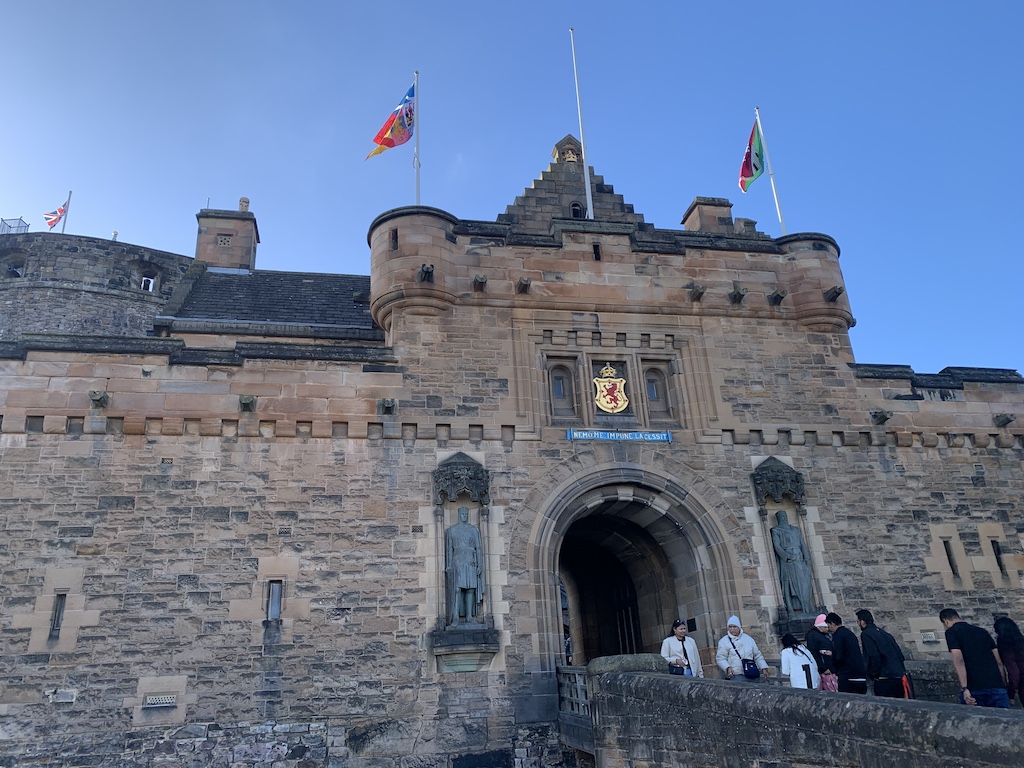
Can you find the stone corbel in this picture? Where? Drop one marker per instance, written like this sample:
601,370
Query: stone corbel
880,416
1003,419
832,294
736,294
696,291
776,296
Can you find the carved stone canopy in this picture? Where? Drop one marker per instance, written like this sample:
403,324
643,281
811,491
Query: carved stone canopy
774,479
568,150
461,474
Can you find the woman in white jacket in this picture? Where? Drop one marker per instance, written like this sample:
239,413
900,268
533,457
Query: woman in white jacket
798,664
734,648
681,652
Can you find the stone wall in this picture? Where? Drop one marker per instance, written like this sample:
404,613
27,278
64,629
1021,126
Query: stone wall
657,720
69,284
319,744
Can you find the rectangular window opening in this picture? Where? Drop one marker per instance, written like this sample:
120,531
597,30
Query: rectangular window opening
597,251
559,386
998,552
948,546
275,589
57,617
394,239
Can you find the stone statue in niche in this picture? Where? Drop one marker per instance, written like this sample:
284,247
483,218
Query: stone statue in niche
464,570
794,563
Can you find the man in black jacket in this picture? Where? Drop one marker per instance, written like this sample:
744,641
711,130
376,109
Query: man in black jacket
884,659
850,666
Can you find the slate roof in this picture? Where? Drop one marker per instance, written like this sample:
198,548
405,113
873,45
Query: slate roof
265,296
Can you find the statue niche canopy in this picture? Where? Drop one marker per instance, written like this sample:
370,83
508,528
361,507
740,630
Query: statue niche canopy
775,480
461,474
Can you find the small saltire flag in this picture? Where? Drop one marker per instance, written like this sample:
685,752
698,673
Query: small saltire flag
753,158
53,217
397,129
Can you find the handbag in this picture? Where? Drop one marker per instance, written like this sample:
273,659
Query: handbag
750,670
685,671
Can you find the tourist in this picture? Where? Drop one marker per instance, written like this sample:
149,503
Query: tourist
819,643
1010,644
849,661
976,661
738,655
884,659
680,652
799,664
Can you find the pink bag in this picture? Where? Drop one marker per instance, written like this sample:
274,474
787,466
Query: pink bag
829,682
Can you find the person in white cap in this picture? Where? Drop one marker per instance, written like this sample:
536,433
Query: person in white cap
738,655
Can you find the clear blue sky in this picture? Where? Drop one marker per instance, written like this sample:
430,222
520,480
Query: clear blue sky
893,127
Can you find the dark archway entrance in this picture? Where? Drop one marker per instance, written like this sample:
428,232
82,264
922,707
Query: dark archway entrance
618,585
606,608
612,537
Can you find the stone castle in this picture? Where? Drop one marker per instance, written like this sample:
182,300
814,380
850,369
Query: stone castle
224,491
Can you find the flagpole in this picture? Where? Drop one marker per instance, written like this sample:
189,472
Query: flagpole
416,129
67,209
583,141
771,175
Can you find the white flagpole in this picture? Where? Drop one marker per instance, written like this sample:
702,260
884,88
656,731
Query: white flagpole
583,141
67,209
771,175
416,129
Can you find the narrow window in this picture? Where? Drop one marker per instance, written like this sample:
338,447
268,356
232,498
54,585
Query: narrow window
394,239
275,588
597,251
656,385
949,556
998,552
563,401
576,210
57,617
148,284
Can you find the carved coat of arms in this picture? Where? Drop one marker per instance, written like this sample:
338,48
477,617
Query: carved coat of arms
610,392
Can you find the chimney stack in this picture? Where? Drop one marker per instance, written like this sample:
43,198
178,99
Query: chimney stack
228,239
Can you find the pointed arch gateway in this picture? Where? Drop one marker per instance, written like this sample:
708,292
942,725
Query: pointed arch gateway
618,552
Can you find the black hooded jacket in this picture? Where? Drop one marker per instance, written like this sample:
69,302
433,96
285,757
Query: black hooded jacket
882,653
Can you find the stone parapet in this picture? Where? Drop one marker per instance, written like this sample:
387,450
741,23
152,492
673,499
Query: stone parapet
728,723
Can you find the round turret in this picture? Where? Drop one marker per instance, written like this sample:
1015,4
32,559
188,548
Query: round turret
411,262
815,282
68,284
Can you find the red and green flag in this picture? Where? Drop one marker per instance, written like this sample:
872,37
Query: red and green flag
753,158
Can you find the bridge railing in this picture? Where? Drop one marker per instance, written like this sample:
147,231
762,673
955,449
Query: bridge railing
572,691
575,721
